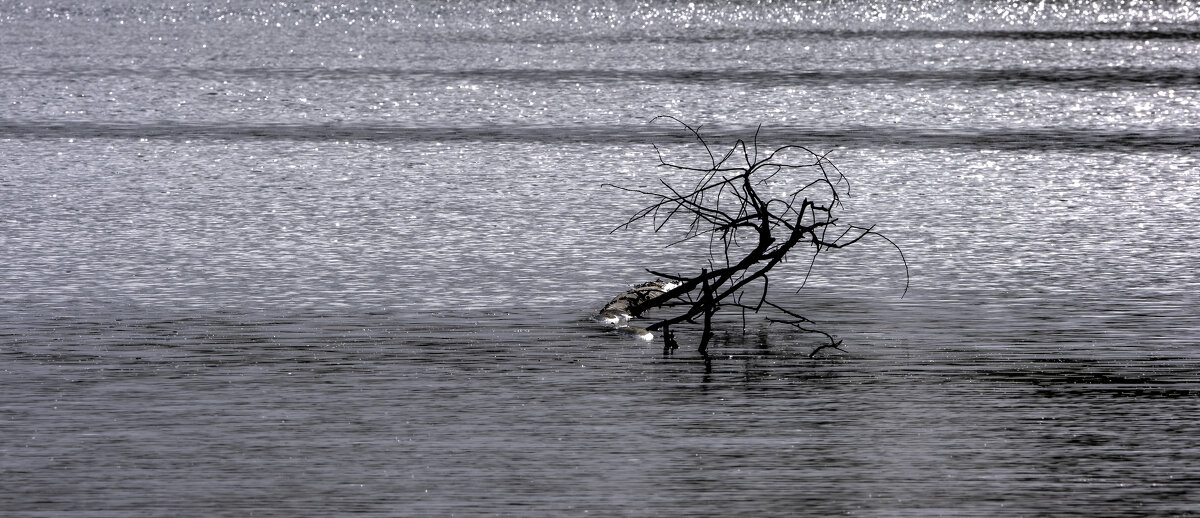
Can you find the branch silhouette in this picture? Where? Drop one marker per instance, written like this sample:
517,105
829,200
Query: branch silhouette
748,232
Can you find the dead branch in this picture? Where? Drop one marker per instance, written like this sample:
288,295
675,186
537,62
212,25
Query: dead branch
749,232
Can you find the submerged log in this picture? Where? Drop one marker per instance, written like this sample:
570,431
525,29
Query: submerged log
628,305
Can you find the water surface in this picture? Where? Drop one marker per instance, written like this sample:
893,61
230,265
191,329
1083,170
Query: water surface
341,259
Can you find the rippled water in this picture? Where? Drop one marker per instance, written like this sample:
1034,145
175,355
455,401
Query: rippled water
332,259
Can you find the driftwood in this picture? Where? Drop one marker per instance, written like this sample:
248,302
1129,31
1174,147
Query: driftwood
750,228
630,304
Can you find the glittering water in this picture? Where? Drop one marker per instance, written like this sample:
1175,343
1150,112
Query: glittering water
331,259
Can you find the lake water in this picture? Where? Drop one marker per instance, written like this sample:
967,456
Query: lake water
341,258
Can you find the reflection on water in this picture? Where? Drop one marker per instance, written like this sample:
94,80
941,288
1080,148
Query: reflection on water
393,328
543,413
282,225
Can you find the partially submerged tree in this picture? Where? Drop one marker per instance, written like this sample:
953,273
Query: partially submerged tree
750,227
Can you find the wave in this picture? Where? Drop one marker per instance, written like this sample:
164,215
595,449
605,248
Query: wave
710,34
1107,77
1182,33
1030,138
1116,77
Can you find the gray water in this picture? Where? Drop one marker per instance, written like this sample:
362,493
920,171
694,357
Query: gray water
335,259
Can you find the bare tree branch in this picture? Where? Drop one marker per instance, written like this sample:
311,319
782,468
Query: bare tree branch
749,233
